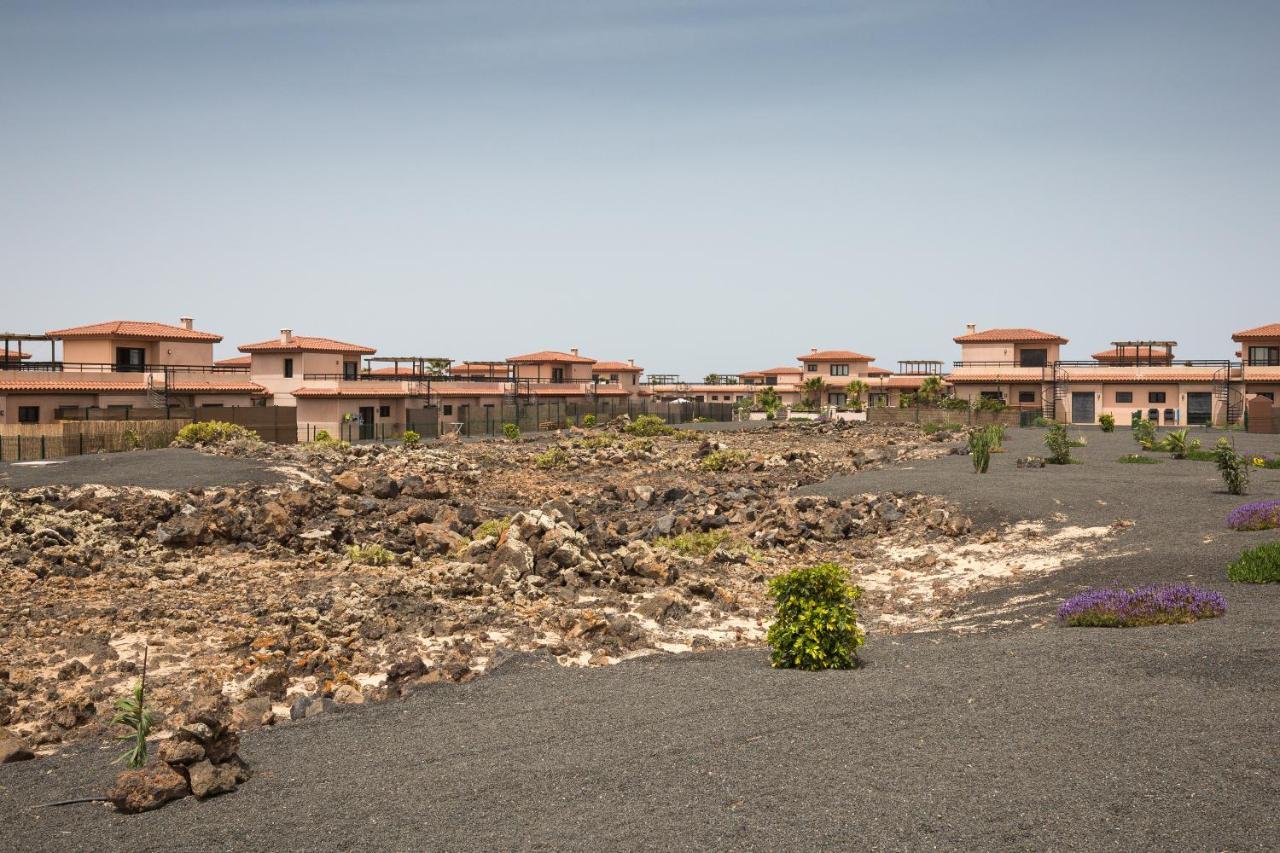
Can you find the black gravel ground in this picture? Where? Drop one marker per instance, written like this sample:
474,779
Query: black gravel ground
170,468
1025,738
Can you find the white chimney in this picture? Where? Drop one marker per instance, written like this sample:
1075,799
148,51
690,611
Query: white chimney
970,328
286,336
187,323
631,361
573,350
813,349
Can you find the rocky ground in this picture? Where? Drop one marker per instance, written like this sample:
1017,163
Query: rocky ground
370,569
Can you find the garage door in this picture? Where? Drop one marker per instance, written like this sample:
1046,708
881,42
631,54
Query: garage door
1082,407
1200,408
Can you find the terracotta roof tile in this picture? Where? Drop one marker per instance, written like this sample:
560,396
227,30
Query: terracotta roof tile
834,355
1132,352
91,383
617,367
777,371
1010,336
879,371
1271,330
305,343
1262,374
135,329
237,361
552,356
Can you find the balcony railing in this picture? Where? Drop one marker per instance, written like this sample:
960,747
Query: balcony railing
100,367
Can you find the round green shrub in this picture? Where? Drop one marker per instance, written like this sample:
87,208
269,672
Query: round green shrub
1107,422
511,431
213,432
411,438
816,626
648,425
588,420
1257,565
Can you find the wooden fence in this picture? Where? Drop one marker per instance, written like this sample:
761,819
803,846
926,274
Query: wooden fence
1261,416
937,415
30,442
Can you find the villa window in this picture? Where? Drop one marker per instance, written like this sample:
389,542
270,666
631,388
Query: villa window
811,367
839,370
1264,356
384,411
1033,358
28,414
1026,396
1155,396
130,359
349,369
613,377
448,409
993,395
837,399
557,374
288,368
1124,396
1270,395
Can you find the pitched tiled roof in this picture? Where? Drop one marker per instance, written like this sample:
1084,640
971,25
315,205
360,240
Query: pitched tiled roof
616,366
903,382
1011,336
1262,374
879,371
135,329
238,361
214,384
305,343
1138,375
1133,352
14,355
1271,330
362,390
776,371
93,383
834,355
547,355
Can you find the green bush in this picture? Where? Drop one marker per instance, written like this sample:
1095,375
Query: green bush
1233,467
494,527
1179,445
595,442
1107,422
719,460
411,438
511,431
639,445
213,432
648,425
131,439
588,420
1257,565
694,543
322,436
1059,445
931,428
816,625
1040,421
980,443
954,404
1144,432
369,555
553,458
990,404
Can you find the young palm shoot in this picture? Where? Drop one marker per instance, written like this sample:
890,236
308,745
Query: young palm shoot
132,713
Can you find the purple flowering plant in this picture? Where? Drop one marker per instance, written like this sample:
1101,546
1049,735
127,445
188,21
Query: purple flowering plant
1256,515
1153,604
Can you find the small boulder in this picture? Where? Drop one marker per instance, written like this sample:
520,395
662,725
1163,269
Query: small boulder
147,788
348,694
13,748
208,779
252,714
178,750
349,482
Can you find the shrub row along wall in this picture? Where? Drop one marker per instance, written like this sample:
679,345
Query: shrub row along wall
934,415
21,443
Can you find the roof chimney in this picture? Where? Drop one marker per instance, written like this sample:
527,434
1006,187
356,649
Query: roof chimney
813,349
186,323
631,361
573,350
286,336
970,328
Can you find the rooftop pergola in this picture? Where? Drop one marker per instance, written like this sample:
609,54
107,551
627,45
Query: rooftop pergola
422,365
1161,351
13,345
920,367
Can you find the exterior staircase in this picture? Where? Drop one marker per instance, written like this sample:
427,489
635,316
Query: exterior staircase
157,392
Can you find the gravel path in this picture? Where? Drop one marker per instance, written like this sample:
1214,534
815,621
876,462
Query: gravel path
170,468
1023,738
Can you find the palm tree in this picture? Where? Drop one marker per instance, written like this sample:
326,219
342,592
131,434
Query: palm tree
931,389
855,390
813,388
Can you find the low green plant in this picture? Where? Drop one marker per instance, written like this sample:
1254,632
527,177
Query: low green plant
990,404
980,450
131,439
411,438
1233,467
648,426
132,713
954,404
931,428
639,445
371,554
1040,421
1139,459
511,431
596,442
213,432
1257,565
494,527
588,420
816,623
322,437
556,457
686,435
693,543
1058,444
720,460
1107,422
1144,432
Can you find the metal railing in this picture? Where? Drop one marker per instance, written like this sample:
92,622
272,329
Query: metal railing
107,367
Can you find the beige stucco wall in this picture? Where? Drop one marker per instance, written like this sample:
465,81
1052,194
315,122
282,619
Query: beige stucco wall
267,369
103,351
1007,352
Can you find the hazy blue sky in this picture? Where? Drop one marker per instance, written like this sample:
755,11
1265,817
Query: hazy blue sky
703,186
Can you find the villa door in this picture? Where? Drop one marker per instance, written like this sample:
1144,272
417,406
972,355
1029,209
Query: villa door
366,422
1082,407
1200,408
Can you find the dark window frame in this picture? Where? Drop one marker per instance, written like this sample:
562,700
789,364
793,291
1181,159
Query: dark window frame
1040,357
839,370
1156,396
1124,397
384,411
1026,396
288,368
25,417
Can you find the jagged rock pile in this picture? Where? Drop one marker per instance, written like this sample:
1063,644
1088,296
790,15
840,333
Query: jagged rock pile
199,759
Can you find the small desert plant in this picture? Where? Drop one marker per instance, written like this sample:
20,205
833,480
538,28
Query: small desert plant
1257,565
642,446
1260,460
694,543
980,450
322,437
213,432
1232,466
370,554
931,428
1259,515
954,404
595,442
1079,441
1155,604
132,440
1144,432
816,626
131,712
411,438
588,420
990,404
720,460
1107,422
1139,459
553,458
1040,421
494,527
648,425
511,431
1059,445
1179,445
